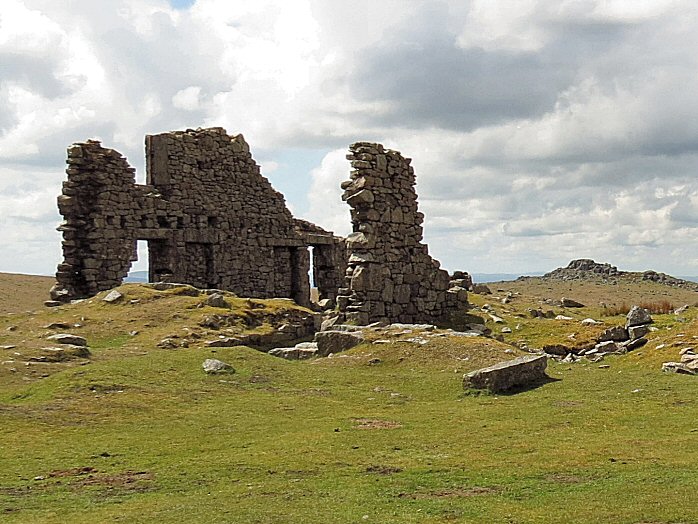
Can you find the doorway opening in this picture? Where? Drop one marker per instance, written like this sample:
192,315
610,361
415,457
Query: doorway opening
314,294
139,267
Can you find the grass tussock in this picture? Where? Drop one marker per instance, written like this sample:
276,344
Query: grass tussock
660,307
615,310
657,307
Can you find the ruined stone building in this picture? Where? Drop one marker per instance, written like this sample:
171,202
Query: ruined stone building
212,220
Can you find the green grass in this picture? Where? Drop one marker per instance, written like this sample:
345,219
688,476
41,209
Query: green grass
279,442
140,434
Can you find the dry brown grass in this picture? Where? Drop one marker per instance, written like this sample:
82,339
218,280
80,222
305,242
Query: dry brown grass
20,293
615,310
661,307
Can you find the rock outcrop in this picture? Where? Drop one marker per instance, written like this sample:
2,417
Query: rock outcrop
521,372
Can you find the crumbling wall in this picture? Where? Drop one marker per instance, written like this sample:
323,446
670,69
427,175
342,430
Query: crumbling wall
213,221
210,219
100,211
390,275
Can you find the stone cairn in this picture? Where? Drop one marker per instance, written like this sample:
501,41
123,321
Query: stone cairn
390,275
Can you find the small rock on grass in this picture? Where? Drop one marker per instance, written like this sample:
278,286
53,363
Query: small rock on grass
214,366
113,296
217,300
568,302
677,367
638,316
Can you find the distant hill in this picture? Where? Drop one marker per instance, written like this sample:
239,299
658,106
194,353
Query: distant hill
137,276
587,269
500,277
20,293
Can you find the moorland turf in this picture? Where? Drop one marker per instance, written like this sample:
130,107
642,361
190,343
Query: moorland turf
138,433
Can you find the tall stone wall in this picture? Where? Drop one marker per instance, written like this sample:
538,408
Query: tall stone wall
390,275
210,219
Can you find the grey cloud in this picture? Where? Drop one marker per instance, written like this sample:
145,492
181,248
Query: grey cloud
427,79
436,83
38,74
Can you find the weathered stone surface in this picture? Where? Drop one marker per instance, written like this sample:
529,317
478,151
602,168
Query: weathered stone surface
557,349
67,338
64,353
225,342
390,275
336,341
113,296
481,289
632,345
608,346
58,325
616,334
217,300
637,316
214,366
302,351
520,372
171,343
636,332
677,367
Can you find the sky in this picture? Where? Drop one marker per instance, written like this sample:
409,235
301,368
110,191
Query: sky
540,130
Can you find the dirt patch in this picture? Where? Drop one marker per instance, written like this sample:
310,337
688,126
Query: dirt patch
369,423
383,470
565,478
127,479
568,403
72,472
22,491
453,493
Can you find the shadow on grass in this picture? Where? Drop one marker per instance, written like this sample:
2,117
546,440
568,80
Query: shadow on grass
514,390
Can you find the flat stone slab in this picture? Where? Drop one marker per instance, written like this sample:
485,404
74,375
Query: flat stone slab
302,351
520,372
67,338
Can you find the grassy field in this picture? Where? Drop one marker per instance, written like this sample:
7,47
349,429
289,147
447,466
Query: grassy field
138,433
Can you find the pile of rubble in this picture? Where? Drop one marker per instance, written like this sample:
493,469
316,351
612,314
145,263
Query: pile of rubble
615,340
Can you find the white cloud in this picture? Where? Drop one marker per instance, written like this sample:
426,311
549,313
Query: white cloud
326,207
539,130
187,99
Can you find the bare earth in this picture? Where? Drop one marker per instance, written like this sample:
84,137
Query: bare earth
20,293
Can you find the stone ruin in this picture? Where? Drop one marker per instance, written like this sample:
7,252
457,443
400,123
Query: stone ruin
390,275
213,221
209,217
